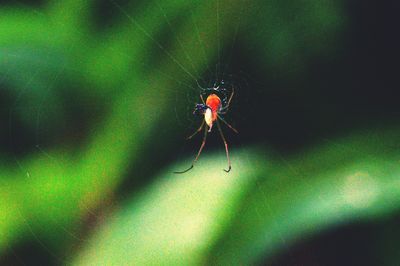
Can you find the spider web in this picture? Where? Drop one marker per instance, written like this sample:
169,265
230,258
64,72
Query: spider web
37,121
42,127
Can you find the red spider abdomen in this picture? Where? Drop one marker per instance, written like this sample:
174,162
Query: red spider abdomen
214,102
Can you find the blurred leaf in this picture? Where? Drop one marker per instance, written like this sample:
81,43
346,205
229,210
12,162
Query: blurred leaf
20,27
71,18
31,74
261,206
350,179
176,219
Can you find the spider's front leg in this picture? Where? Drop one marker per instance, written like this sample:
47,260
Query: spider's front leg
224,109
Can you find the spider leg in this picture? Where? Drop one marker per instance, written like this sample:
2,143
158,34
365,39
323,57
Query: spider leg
230,97
197,131
222,111
225,108
202,99
226,123
226,147
198,153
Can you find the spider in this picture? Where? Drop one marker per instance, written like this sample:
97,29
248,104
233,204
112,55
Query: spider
212,109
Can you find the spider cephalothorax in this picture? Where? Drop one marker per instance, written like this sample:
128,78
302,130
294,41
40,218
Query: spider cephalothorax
219,91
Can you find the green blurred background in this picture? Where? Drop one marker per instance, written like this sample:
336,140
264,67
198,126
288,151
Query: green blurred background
96,99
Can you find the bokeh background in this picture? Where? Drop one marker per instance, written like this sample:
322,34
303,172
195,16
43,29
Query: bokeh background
96,100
